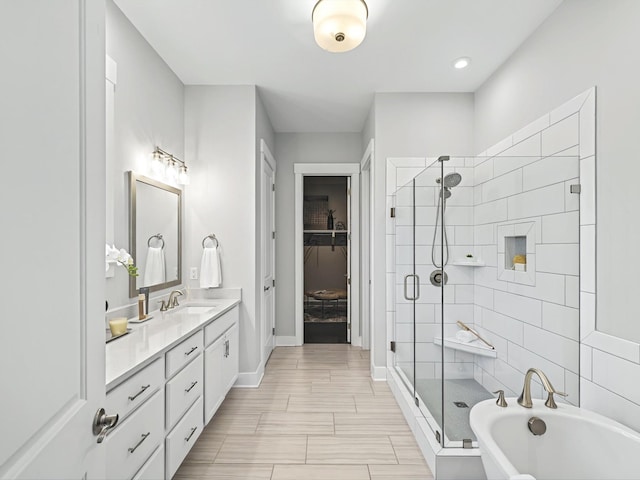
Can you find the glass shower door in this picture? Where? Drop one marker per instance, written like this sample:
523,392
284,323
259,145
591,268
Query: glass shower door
429,305
405,290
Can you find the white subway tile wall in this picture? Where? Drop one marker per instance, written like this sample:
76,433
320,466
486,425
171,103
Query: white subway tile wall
528,176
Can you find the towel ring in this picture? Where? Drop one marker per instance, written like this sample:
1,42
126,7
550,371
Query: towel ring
211,237
157,236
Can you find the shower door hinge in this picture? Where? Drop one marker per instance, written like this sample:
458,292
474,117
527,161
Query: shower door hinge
392,347
393,212
576,188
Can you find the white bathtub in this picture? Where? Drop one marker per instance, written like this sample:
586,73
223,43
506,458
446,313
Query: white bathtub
578,444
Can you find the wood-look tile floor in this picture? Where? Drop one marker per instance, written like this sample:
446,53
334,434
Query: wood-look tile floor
317,415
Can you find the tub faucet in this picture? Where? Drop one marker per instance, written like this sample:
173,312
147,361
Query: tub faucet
525,397
173,299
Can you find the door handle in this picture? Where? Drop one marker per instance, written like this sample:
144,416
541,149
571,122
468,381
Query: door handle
102,423
416,287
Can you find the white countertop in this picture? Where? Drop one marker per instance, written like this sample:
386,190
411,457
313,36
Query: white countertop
145,343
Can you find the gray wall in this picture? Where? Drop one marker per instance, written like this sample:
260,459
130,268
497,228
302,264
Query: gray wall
149,106
410,125
585,43
220,133
293,148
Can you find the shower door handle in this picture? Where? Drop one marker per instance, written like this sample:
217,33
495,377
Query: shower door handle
416,287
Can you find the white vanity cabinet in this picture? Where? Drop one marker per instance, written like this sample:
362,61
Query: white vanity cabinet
220,361
132,442
166,396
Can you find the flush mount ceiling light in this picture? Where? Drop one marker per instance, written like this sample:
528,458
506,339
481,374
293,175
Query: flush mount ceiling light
339,25
462,62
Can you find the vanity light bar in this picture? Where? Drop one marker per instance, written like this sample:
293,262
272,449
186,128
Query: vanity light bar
172,162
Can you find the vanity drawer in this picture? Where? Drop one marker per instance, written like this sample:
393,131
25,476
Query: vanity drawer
154,468
182,390
220,325
131,443
183,353
183,437
133,392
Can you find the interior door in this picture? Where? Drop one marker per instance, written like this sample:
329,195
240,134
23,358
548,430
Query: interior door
268,251
52,127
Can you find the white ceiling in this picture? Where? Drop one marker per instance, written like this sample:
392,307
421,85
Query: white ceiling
410,47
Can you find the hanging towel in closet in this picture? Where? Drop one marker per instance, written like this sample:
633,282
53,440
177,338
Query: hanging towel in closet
154,268
210,271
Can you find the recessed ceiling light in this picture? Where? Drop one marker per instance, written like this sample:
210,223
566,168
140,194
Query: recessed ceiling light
462,62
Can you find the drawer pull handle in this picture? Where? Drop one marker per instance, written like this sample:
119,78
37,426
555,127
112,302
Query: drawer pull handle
144,437
144,387
191,387
193,430
193,349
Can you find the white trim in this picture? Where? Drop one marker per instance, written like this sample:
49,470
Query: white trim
367,238
379,374
327,170
111,70
250,379
264,148
286,341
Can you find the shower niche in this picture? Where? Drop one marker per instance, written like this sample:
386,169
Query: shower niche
517,252
326,259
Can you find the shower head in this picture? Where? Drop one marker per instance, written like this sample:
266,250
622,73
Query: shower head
452,180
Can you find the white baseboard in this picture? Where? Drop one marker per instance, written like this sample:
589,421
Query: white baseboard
250,379
379,374
284,341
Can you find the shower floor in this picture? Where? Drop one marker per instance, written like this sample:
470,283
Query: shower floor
467,391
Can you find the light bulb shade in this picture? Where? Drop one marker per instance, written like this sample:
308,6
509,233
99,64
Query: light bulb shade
183,176
339,25
172,171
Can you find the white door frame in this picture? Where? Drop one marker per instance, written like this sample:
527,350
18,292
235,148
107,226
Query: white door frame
366,302
352,170
266,156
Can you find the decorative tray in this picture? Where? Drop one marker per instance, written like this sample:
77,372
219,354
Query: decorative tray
110,337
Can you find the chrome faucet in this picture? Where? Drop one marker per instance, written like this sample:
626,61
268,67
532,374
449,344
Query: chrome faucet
173,299
525,397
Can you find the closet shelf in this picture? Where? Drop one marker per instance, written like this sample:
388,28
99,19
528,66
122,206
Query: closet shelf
475,347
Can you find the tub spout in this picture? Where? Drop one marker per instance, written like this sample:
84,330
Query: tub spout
525,397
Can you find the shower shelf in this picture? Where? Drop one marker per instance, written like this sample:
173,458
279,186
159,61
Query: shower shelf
464,263
471,347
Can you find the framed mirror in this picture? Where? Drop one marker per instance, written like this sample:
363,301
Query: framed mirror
155,233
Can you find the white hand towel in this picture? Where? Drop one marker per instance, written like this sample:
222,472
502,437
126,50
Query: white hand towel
464,336
210,270
154,268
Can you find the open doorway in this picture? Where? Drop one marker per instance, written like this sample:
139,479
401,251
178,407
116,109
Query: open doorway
326,276
350,171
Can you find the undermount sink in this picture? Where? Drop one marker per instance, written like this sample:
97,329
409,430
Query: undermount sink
195,309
